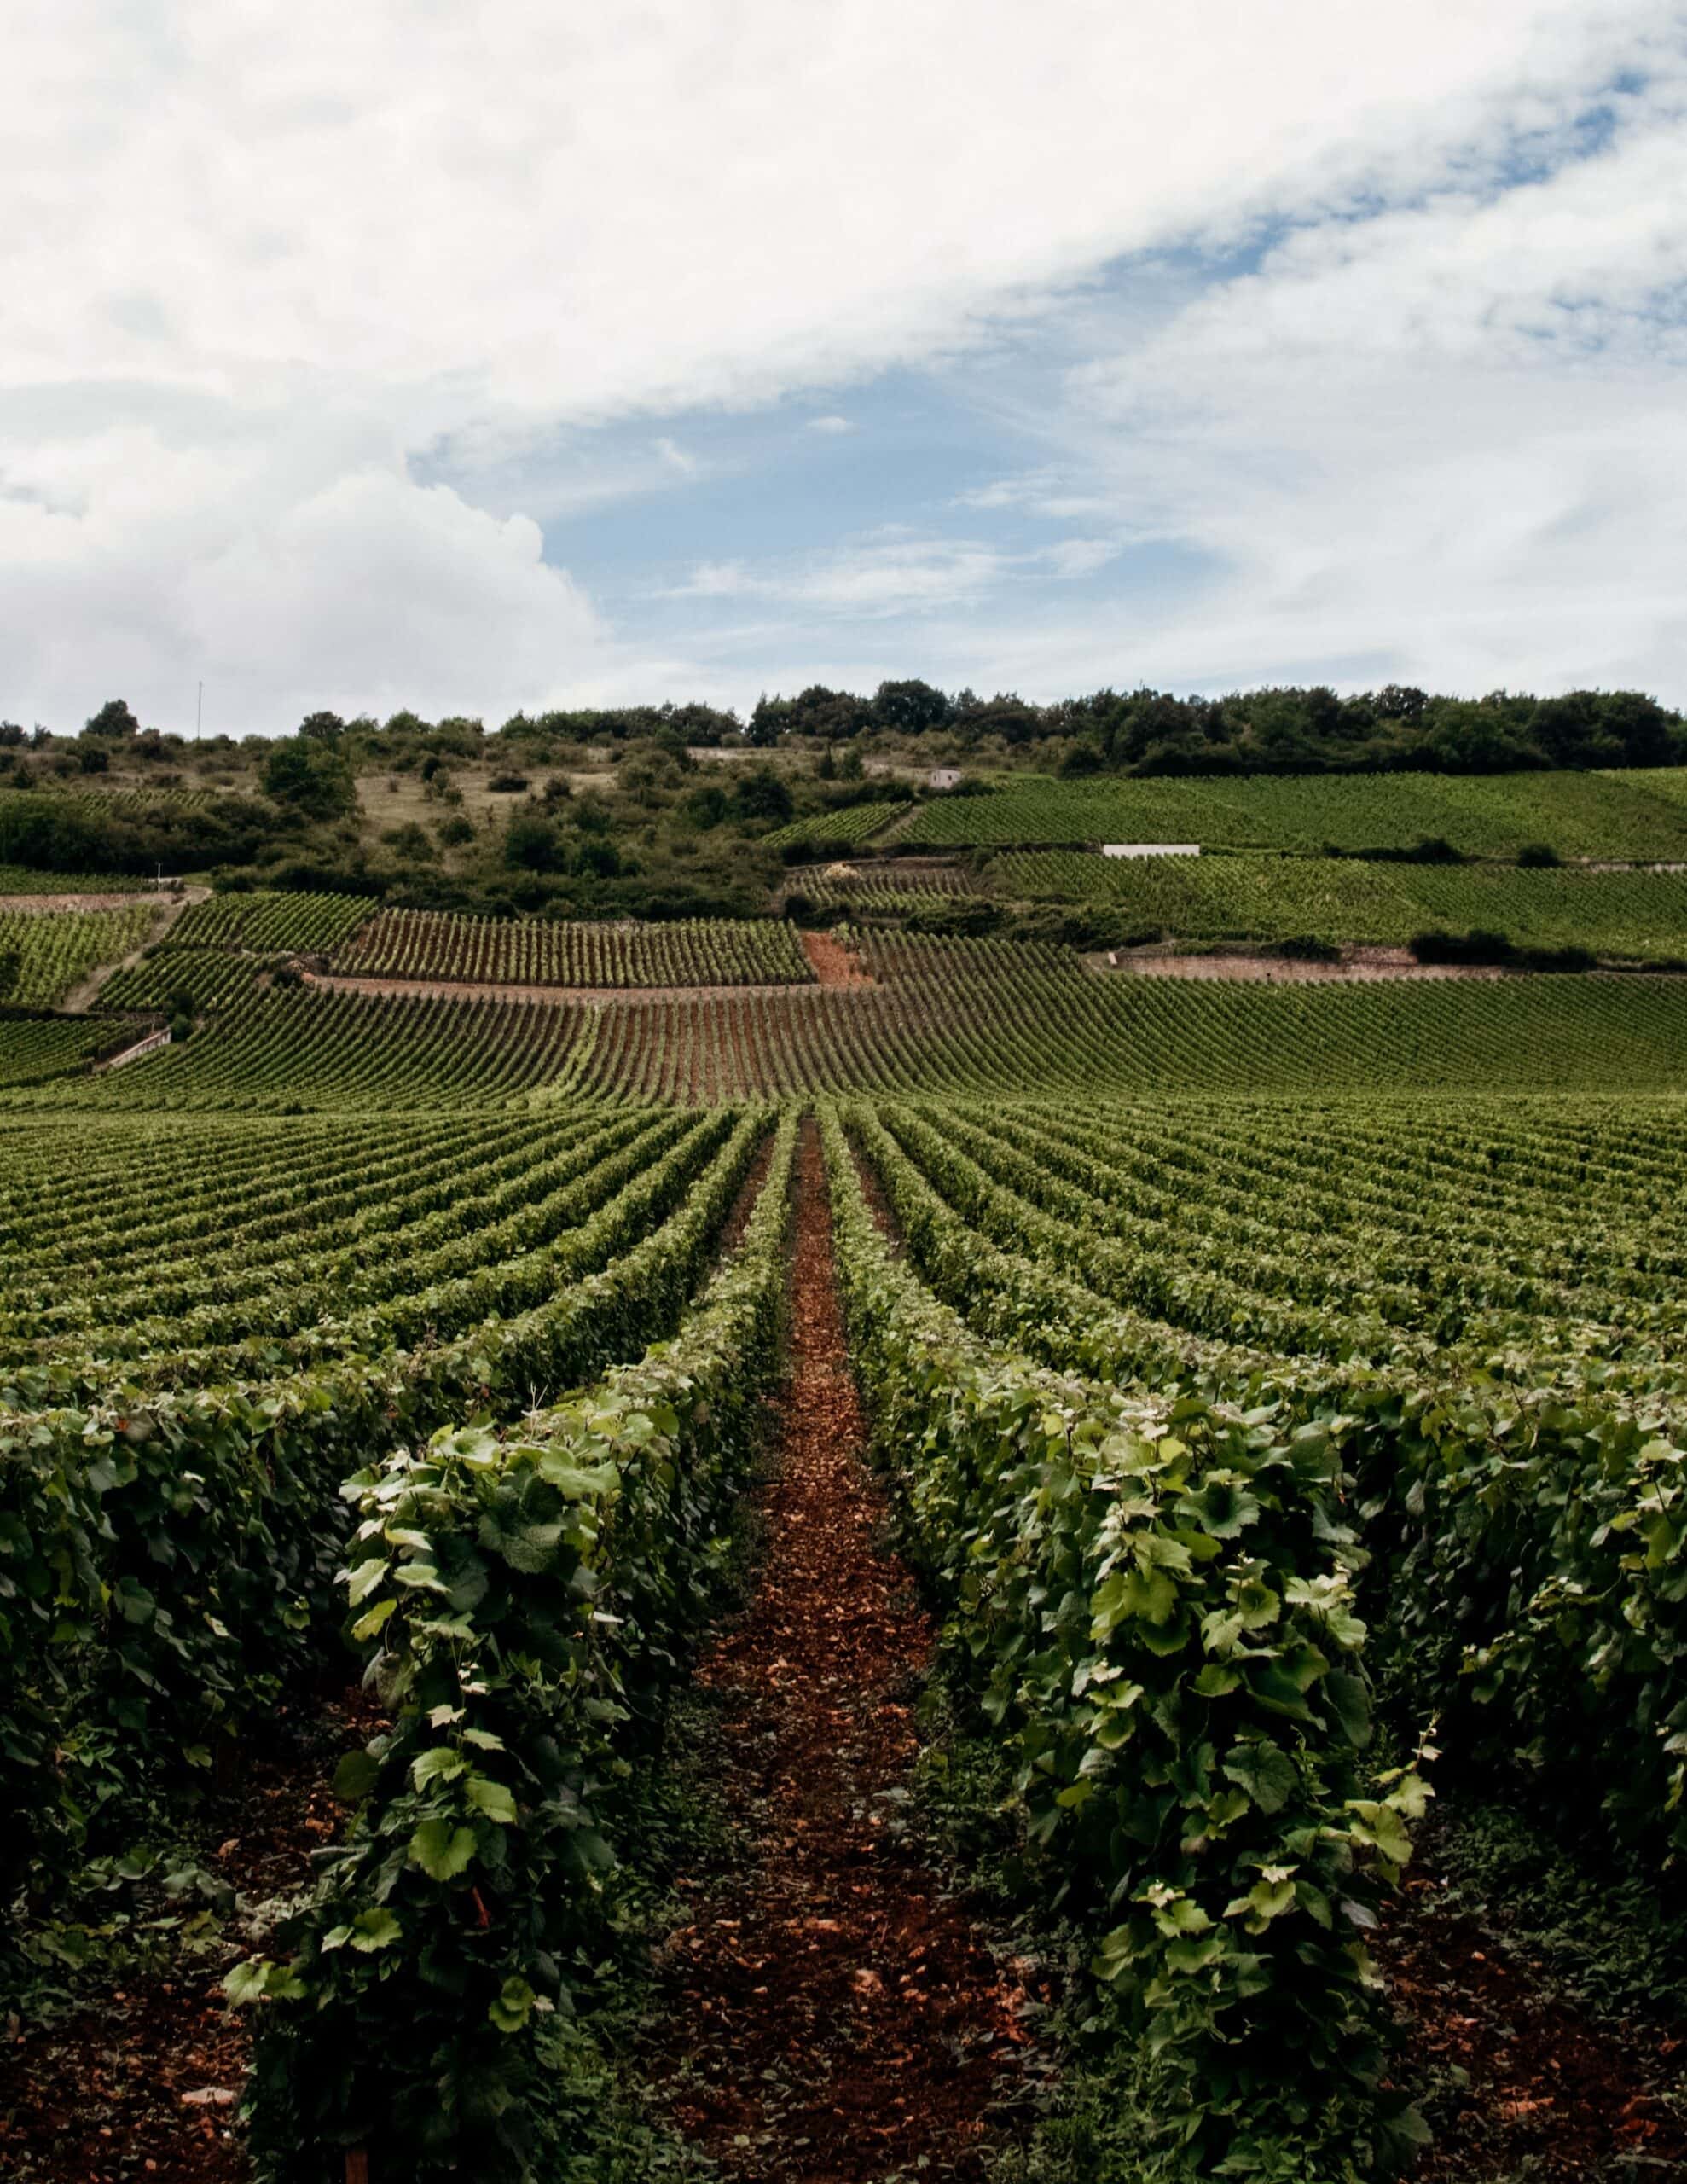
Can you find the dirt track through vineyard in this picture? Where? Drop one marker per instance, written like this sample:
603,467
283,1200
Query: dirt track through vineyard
832,2012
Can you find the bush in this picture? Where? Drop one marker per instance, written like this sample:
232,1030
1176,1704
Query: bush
966,918
506,783
531,844
760,794
1572,958
1306,948
1479,945
308,775
114,718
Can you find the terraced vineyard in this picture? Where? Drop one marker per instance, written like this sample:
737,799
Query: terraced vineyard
1640,916
470,950
44,953
36,1047
885,888
956,1014
215,979
1637,816
853,823
1246,1366
20,879
270,924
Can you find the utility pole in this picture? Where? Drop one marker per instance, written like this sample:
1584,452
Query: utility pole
198,716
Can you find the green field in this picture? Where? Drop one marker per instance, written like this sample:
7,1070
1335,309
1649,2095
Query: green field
44,953
956,1014
1637,916
1256,1375
1637,817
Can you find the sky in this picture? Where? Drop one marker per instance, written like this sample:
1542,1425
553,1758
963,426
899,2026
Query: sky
475,358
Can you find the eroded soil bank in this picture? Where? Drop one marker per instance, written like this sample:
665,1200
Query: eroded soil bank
831,2012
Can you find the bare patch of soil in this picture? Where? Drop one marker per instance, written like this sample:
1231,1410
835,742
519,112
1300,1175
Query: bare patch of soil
1362,963
833,963
832,2013
1545,2093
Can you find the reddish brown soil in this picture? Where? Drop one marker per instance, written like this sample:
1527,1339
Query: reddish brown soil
1361,963
144,2082
1551,2096
833,963
731,1235
832,2014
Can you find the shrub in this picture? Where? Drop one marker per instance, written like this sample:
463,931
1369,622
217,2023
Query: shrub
1479,945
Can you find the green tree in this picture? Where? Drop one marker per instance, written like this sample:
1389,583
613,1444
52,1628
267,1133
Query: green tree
115,719
910,707
323,728
311,776
532,843
759,794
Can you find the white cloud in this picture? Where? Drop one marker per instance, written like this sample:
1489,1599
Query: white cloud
586,211
873,578
1441,438
260,260
1075,557
891,575
288,570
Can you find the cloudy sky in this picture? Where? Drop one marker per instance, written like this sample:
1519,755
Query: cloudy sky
411,353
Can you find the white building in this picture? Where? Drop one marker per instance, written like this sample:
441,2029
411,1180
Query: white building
943,777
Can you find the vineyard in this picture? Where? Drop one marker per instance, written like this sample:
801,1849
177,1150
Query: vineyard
271,925
43,952
208,978
1640,916
885,888
1637,816
855,823
36,1047
937,1014
19,880
470,950
1277,1396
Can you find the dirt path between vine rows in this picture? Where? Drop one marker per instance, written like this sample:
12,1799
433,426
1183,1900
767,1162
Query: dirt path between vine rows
82,996
830,2012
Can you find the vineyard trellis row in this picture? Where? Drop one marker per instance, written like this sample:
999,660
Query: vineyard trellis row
1633,816
549,951
1640,916
44,953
